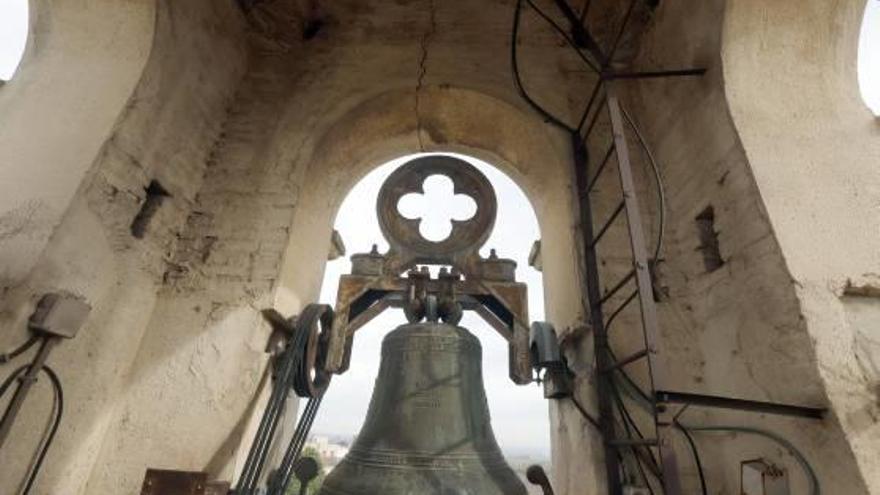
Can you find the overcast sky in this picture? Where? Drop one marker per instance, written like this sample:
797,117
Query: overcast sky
519,413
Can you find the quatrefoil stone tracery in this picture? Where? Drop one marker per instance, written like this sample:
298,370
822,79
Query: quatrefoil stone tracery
436,207
409,208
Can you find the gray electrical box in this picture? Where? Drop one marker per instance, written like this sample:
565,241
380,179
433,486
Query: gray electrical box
59,314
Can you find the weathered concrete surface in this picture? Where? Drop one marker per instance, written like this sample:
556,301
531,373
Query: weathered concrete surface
736,331
258,150
814,150
165,132
81,64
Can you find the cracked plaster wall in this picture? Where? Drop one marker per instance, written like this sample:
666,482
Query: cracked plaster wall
813,149
163,131
81,64
175,345
747,330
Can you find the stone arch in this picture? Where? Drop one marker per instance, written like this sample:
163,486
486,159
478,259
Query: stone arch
453,120
450,119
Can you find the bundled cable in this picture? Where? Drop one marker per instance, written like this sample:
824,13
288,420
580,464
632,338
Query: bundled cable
57,413
14,353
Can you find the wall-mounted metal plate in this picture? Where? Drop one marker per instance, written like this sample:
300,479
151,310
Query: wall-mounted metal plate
169,482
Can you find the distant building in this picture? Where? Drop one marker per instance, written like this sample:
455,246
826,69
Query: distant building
330,451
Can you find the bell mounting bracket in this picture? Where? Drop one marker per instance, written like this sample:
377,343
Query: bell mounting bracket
400,279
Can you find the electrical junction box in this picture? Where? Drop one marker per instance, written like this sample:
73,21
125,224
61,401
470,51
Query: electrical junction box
59,314
759,477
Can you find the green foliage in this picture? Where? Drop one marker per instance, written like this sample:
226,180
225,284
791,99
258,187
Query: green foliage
315,485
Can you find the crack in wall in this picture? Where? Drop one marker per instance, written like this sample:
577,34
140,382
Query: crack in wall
423,67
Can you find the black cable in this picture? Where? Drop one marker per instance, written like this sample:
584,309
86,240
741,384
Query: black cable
623,25
626,419
565,35
516,77
9,356
589,417
661,189
56,422
620,308
696,454
809,472
11,378
297,442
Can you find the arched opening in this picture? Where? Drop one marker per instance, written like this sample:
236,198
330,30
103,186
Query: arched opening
519,413
869,57
14,27
454,120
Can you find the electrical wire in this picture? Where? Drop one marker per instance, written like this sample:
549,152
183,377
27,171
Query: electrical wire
56,422
635,392
801,459
661,189
11,378
9,356
815,489
686,430
58,411
518,81
629,425
565,35
589,417
696,455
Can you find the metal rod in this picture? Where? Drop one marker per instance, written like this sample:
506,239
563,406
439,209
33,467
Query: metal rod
610,293
572,43
590,102
627,360
579,33
633,442
604,386
620,308
654,74
24,386
650,323
623,25
607,225
599,170
740,404
594,120
585,10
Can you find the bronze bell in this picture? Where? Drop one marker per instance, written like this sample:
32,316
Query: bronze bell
428,429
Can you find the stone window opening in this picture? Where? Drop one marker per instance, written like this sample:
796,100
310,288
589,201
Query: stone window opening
519,413
14,28
869,57
156,195
709,245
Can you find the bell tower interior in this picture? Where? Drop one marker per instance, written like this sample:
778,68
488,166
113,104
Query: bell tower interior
703,174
